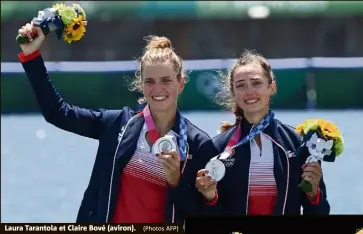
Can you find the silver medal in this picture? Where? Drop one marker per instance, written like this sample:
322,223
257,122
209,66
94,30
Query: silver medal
164,144
216,169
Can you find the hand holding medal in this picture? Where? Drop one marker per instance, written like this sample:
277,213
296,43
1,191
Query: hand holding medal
168,157
170,161
166,149
206,185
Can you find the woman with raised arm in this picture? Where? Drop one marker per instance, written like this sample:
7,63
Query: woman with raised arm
131,181
256,170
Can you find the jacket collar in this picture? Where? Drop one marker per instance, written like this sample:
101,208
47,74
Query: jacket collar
175,127
131,133
271,129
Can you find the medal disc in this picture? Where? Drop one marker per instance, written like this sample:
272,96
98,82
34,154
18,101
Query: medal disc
163,144
216,169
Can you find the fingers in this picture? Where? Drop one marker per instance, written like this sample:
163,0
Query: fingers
211,188
174,154
202,172
172,173
312,173
166,164
171,165
201,178
38,31
208,183
204,182
206,186
23,31
314,181
199,182
312,178
313,168
314,164
170,162
28,30
172,159
32,31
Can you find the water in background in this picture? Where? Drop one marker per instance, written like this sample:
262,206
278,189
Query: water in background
45,170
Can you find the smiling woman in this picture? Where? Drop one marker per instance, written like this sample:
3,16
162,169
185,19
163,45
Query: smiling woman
130,182
249,85
160,77
262,176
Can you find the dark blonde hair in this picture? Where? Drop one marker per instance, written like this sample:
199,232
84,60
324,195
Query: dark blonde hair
157,50
226,98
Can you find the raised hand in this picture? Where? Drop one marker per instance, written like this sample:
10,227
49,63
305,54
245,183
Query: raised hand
29,30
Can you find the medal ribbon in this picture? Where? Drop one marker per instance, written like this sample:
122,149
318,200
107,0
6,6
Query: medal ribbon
154,135
255,131
151,129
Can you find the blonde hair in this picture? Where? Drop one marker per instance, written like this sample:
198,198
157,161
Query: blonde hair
157,50
226,98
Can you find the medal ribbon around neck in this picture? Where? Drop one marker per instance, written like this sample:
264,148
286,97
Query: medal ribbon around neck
255,131
154,135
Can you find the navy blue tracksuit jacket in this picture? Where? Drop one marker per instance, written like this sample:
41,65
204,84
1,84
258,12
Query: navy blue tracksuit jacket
233,189
117,132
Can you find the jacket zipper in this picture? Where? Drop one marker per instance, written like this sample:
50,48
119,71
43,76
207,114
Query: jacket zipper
248,187
288,171
248,182
113,167
182,171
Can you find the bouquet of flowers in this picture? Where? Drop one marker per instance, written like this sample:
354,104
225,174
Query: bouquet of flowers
67,21
322,141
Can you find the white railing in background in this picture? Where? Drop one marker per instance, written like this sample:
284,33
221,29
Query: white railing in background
207,64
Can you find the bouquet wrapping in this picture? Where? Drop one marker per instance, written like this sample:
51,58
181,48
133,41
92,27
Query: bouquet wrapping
67,21
322,141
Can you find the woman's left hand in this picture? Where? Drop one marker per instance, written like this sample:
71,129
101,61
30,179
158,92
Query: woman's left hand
312,173
170,161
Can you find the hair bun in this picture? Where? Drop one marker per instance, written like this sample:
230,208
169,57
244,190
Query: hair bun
155,42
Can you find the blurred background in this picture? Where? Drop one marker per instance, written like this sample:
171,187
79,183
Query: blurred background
314,48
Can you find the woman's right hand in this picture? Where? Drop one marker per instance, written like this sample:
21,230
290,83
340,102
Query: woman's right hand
206,185
29,30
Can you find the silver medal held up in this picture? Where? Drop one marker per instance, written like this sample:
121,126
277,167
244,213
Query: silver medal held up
216,169
164,144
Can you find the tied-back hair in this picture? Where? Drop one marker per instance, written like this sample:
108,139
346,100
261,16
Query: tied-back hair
227,125
158,50
226,97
